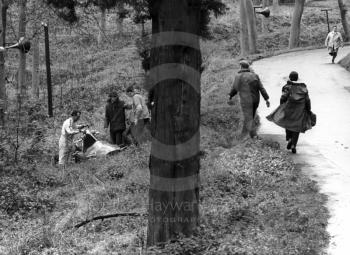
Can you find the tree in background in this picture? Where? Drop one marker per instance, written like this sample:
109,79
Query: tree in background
248,32
4,4
252,35
275,5
244,41
36,53
264,21
22,86
343,11
295,28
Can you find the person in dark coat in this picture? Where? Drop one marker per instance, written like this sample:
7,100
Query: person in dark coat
249,87
115,118
293,114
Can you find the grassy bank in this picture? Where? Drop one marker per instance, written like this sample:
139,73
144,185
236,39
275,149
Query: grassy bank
253,199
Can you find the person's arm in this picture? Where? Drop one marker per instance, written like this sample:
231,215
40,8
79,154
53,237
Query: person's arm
68,126
138,107
107,120
308,103
285,95
326,41
234,89
263,92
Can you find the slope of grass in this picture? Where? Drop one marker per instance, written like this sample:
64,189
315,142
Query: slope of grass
253,200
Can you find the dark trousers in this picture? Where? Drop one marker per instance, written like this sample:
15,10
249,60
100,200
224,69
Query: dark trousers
116,136
293,136
334,54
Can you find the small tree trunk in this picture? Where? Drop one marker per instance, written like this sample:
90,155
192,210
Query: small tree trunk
120,18
36,60
264,21
343,11
243,29
3,12
275,6
251,26
22,56
102,31
295,28
174,160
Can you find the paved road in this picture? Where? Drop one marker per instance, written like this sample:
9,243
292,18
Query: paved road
323,152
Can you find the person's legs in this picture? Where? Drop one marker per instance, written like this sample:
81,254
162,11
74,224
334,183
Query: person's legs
62,152
294,141
289,139
119,137
113,137
335,53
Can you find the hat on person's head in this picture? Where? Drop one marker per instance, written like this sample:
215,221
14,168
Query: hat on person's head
244,63
130,89
113,94
75,113
293,76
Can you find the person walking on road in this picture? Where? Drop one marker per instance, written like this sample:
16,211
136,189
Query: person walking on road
115,118
294,112
333,42
249,87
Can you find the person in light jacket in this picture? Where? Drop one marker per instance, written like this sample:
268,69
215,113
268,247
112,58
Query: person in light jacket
249,87
69,129
333,42
139,116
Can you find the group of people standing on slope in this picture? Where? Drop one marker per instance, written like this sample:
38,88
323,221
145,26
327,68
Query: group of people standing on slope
122,130
294,112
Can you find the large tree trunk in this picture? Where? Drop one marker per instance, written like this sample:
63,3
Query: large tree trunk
343,11
102,27
36,56
251,26
22,56
244,29
264,20
120,17
295,28
175,83
3,12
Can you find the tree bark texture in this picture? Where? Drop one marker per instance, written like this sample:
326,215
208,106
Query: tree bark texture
36,56
344,21
295,28
275,5
120,19
3,12
243,29
264,20
251,26
102,28
22,86
175,86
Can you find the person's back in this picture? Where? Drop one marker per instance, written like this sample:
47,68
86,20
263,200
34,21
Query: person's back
140,107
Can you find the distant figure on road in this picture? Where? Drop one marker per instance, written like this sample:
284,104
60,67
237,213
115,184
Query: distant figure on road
294,112
249,87
333,41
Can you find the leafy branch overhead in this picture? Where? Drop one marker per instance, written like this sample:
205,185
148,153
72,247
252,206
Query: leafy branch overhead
67,9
